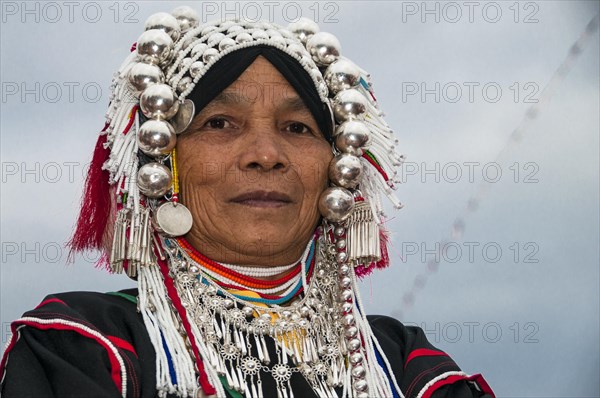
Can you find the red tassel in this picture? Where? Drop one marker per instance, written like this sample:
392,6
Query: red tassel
95,206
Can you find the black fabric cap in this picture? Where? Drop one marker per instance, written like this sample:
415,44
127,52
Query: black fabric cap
226,70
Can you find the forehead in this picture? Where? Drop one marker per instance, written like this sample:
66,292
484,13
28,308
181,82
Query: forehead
261,81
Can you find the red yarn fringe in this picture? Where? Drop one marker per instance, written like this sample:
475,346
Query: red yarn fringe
95,207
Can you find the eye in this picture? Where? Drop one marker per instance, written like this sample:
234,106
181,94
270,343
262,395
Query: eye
298,128
217,123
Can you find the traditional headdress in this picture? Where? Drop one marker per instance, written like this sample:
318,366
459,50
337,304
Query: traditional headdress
131,199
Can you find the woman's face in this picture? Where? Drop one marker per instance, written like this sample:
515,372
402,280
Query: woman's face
251,168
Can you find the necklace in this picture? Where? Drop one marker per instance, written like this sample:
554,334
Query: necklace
212,335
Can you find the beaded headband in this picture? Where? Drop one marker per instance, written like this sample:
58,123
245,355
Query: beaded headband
165,64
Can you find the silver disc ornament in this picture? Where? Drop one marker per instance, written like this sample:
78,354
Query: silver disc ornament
184,116
173,219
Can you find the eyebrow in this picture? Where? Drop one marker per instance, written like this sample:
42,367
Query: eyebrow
292,103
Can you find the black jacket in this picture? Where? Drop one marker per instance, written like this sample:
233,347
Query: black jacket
85,344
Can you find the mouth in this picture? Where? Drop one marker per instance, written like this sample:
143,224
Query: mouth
262,199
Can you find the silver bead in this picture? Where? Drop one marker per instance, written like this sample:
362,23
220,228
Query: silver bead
248,312
184,84
243,37
324,48
345,170
260,35
344,269
346,294
297,49
159,102
154,180
214,39
348,320
340,243
341,257
303,29
195,68
209,55
351,332
354,344
304,311
165,22
345,282
186,16
335,204
198,48
142,75
226,43
359,372
228,304
205,31
154,47
349,104
360,385
351,137
347,307
341,75
339,231
356,358
156,137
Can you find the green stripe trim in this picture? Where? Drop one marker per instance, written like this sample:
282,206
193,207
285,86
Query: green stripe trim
231,391
128,297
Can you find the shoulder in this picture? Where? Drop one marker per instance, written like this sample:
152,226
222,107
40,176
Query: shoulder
421,369
96,337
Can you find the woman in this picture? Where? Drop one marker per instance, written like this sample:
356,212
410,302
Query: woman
238,180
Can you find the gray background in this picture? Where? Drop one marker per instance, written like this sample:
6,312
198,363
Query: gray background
525,316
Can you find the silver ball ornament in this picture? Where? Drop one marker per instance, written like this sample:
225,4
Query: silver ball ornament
335,204
349,104
260,35
226,43
342,75
159,102
154,180
165,22
345,170
156,137
186,16
303,29
154,47
195,68
360,385
243,37
352,137
214,39
209,54
142,75
198,48
324,48
359,372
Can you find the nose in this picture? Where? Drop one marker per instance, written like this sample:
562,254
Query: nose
264,149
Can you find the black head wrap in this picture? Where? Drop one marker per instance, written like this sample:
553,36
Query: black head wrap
226,70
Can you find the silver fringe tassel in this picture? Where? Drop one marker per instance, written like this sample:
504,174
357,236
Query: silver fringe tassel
362,237
132,241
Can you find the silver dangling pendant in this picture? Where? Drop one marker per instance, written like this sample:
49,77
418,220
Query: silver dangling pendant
173,219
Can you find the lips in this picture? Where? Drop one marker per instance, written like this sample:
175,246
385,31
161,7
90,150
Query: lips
265,199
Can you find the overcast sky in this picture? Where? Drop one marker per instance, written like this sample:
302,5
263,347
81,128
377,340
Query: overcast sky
516,294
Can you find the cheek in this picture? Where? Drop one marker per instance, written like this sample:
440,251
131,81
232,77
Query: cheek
314,169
